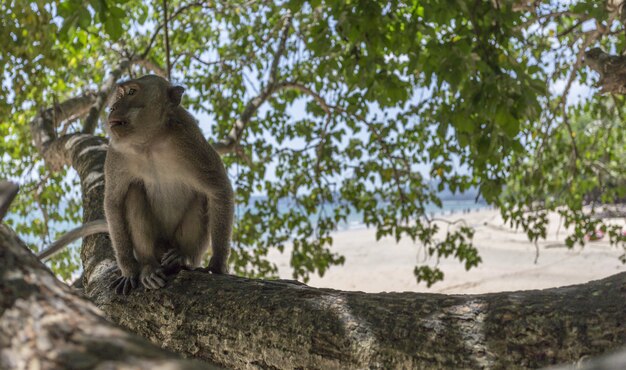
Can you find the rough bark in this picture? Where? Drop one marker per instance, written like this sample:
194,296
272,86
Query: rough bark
45,325
612,70
240,322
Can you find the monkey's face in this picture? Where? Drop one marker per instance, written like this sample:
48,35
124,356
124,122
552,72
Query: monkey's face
140,108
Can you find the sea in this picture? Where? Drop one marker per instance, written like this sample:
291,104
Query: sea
450,204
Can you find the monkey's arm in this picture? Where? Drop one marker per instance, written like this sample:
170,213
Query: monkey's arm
93,227
114,208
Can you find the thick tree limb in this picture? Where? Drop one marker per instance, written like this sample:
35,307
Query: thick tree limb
241,322
44,325
43,126
8,191
612,70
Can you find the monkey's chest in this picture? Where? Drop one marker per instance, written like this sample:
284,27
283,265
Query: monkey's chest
169,203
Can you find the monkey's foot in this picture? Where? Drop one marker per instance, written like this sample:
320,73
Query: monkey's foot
173,261
217,267
152,277
124,284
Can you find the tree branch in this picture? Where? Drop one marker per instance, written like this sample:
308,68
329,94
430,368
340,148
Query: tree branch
280,324
175,14
611,68
8,191
151,65
303,89
283,324
228,144
91,122
167,41
280,50
43,126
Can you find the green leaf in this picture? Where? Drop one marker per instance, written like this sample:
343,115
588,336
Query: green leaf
113,28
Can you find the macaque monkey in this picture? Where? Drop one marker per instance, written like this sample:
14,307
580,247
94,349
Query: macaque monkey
167,194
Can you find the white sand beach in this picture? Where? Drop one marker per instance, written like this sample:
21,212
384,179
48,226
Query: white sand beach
508,260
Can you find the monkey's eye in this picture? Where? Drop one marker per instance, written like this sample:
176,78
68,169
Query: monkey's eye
131,91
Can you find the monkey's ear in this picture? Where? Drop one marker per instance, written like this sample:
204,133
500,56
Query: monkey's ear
175,94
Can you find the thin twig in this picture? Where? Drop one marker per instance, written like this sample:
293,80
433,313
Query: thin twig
167,40
280,49
175,14
229,143
302,88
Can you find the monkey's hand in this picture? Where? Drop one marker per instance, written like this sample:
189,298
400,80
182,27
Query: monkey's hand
152,277
173,261
124,284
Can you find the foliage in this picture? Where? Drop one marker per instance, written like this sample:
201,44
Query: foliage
363,95
582,188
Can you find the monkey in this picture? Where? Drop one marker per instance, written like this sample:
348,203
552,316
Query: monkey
167,196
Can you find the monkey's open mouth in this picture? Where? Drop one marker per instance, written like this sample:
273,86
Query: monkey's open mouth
117,122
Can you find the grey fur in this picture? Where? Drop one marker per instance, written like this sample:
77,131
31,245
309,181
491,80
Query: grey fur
167,193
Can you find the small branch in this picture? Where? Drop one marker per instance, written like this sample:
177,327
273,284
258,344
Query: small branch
563,103
229,143
299,87
280,49
151,65
167,41
43,126
203,62
572,27
174,15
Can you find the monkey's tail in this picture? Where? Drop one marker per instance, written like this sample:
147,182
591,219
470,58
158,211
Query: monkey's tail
92,227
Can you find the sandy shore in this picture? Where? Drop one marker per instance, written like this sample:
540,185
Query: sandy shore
508,261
